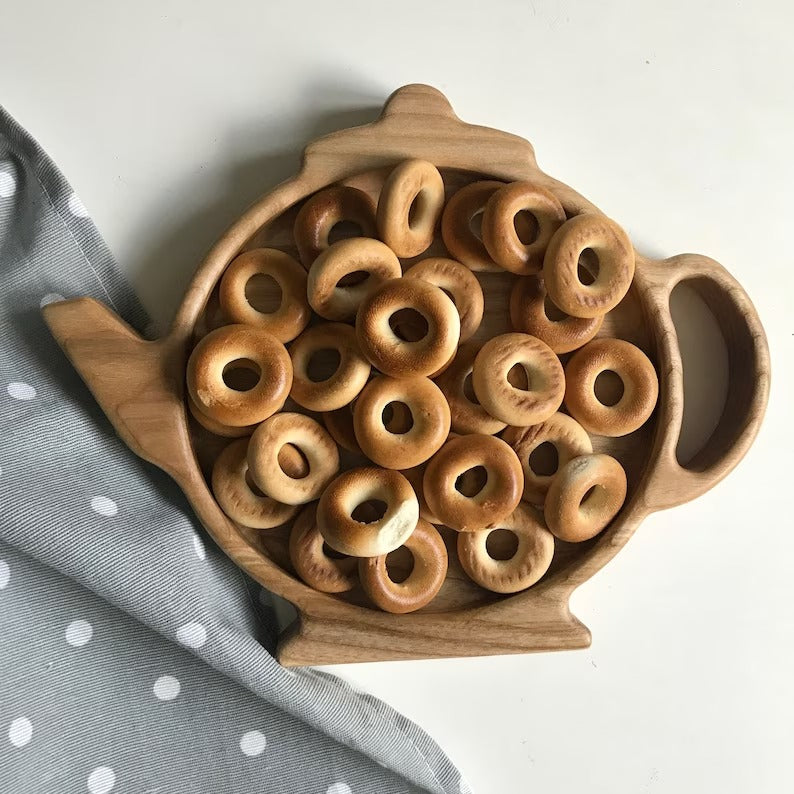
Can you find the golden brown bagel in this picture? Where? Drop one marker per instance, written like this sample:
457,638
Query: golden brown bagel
508,403
353,488
423,583
640,387
496,500
612,248
311,562
409,207
292,314
329,296
395,356
428,421
242,501
253,349
571,511
500,234
530,561
344,384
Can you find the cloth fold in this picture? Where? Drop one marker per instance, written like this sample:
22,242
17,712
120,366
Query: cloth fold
86,528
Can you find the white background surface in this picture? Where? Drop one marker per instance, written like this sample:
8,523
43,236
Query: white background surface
170,117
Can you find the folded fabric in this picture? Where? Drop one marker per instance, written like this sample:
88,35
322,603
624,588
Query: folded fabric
136,656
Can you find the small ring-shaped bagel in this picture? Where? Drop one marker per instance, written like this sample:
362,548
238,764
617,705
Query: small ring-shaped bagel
571,516
343,385
339,424
355,255
312,564
533,312
498,497
612,248
242,503
292,314
466,416
322,211
216,428
459,283
345,534
395,356
423,583
530,561
409,207
640,387
317,446
239,343
509,404
461,242
429,421
566,435
500,234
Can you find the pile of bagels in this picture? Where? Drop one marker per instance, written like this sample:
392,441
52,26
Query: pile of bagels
410,424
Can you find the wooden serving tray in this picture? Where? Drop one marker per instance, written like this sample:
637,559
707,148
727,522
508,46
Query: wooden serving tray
140,386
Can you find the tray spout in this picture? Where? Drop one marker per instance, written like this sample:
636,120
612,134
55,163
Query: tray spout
137,383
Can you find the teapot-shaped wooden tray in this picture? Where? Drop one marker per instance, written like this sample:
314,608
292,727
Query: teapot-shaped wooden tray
140,386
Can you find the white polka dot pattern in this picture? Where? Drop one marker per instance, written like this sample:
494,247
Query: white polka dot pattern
104,506
21,391
253,743
78,633
101,780
51,297
76,206
192,635
8,184
20,732
166,687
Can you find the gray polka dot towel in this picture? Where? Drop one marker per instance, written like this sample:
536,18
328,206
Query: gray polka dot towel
134,656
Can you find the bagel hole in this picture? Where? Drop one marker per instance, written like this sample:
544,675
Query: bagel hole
333,554
475,224
255,489
293,462
370,511
344,230
552,311
409,325
589,498
417,209
397,417
526,226
518,378
544,460
471,481
501,544
323,364
242,374
353,279
399,564
468,390
263,293
587,269
608,388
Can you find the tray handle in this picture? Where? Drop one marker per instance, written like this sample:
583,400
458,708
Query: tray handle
669,482
417,121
